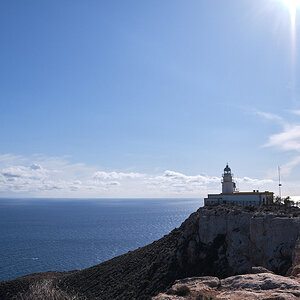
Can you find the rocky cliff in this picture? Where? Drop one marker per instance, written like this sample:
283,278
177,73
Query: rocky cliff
218,242
267,239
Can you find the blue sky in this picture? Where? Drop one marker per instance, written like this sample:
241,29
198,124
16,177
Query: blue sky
145,92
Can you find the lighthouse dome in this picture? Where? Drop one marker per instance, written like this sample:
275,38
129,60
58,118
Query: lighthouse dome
227,169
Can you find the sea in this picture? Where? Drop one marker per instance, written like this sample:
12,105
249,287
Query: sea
38,235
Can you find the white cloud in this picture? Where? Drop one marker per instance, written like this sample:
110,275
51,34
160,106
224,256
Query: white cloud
286,140
33,172
172,178
290,165
254,181
249,184
296,112
171,182
41,176
115,175
270,116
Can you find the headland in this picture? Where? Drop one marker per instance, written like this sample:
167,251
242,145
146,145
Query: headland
218,241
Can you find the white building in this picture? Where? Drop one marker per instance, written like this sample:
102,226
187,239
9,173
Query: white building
230,195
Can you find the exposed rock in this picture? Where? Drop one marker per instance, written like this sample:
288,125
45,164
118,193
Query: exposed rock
250,287
252,239
257,270
295,269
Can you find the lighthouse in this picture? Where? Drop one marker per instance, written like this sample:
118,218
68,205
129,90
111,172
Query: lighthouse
228,186
231,196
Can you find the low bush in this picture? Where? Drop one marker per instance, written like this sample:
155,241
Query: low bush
182,290
203,297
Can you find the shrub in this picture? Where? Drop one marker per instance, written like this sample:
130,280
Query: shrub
147,282
182,290
203,297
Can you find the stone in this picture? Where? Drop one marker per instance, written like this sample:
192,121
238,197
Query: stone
257,270
249,286
252,239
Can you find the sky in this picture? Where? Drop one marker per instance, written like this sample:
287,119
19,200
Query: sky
148,98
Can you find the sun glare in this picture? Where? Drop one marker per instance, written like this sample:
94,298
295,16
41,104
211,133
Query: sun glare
291,4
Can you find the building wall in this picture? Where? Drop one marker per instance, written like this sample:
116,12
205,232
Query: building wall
239,199
227,184
227,187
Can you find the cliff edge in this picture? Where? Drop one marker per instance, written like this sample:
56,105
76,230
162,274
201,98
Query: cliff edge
214,241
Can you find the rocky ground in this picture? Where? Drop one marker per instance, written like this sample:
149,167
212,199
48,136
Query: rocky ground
250,286
219,242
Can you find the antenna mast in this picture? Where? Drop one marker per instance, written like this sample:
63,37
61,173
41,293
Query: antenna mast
279,182
237,184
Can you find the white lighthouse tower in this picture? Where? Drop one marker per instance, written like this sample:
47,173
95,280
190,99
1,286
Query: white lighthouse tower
228,186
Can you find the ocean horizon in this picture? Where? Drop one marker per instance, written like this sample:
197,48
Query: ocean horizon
61,234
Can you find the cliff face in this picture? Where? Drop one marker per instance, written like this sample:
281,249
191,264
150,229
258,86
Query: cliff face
250,239
220,242
224,241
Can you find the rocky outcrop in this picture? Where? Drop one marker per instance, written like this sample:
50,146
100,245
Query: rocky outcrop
251,239
214,241
250,286
295,269
226,241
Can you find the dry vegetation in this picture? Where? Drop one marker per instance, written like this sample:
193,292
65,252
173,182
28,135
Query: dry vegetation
45,290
